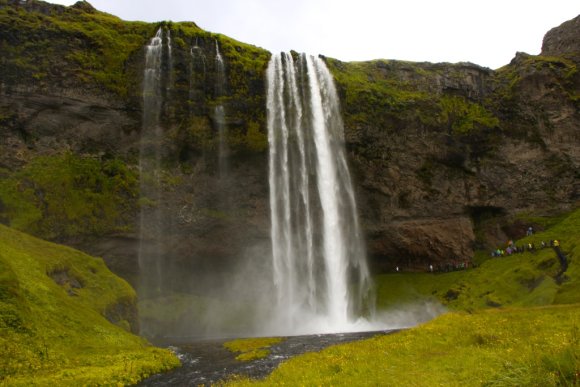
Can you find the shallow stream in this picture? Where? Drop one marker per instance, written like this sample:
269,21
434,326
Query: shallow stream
207,361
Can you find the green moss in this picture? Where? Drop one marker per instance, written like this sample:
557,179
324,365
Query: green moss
49,43
509,77
245,63
387,93
371,90
463,117
252,349
256,140
77,47
545,222
51,336
66,195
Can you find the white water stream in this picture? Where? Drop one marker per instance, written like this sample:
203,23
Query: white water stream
319,263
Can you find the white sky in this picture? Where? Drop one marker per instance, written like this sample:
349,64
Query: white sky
485,32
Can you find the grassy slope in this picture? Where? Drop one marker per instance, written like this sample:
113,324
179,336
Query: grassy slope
530,341
535,346
519,280
49,336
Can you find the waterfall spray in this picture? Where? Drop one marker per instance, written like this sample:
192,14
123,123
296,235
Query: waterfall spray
319,261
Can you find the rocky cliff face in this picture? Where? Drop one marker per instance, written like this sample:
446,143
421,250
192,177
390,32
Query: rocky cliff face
445,152
562,40
447,157
70,113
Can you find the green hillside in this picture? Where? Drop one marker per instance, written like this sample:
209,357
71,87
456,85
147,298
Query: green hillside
527,279
53,329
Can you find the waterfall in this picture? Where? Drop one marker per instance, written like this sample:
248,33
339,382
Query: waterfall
220,72
319,260
197,74
151,218
170,60
219,116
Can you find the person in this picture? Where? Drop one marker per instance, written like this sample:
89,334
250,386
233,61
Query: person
530,231
397,268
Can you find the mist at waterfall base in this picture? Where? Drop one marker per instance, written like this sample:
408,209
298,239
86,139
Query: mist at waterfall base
312,275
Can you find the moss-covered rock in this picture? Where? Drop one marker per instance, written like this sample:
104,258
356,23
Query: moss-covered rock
64,196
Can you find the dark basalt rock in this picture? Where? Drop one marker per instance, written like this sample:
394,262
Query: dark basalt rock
563,40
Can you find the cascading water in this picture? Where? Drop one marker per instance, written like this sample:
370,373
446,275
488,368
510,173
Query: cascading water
197,77
219,114
170,59
152,218
319,262
220,72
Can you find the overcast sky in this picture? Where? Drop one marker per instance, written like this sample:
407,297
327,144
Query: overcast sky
485,32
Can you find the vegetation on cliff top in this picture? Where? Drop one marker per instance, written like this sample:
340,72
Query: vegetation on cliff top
53,330
56,45
385,93
195,96
52,47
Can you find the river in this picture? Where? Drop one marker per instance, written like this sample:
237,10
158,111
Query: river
207,361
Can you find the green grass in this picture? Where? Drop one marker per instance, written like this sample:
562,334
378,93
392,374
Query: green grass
534,346
57,334
533,339
253,348
526,279
519,280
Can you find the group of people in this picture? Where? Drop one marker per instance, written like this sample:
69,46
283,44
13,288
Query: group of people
512,248
530,246
448,266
